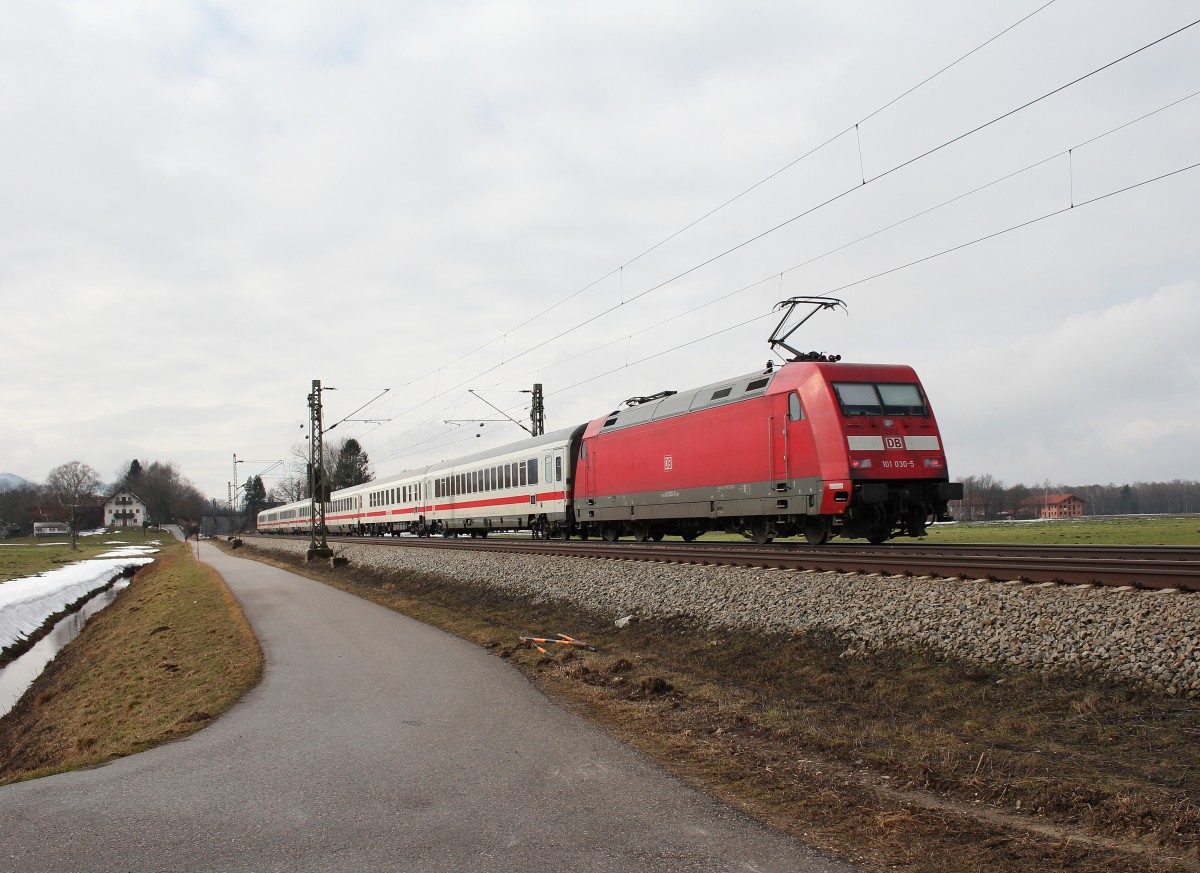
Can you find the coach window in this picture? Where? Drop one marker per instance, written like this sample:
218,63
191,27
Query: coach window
521,468
507,476
795,411
558,468
532,464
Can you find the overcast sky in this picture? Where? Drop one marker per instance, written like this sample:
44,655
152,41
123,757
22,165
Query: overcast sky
205,206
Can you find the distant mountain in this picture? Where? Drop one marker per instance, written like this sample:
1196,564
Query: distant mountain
11,481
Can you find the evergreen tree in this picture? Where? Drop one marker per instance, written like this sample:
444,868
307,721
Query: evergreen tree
255,499
351,466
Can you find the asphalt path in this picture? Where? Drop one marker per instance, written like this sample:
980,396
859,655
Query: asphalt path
375,742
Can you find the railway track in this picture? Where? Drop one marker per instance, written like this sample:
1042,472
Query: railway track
1156,567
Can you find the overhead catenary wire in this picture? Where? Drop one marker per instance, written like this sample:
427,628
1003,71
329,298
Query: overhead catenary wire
809,211
592,319
618,270
1010,229
907,265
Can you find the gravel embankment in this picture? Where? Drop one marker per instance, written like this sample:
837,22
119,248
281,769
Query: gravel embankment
1140,636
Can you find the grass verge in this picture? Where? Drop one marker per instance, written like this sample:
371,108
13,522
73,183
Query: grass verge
891,761
168,656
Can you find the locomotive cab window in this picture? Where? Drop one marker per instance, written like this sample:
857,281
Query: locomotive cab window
795,410
882,398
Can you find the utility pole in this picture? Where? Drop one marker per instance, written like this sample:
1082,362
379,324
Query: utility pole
537,411
318,488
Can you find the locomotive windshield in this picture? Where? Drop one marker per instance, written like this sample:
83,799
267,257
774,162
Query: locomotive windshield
880,398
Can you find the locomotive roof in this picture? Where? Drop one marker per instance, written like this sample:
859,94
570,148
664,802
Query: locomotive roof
715,394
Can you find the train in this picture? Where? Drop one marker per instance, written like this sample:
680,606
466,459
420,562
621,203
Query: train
811,448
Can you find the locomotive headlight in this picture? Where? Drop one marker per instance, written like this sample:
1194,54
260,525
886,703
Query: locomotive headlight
934,462
860,463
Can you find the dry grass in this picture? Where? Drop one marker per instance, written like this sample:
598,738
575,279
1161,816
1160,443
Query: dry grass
896,760
169,655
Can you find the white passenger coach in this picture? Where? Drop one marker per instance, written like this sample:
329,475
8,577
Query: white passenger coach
521,486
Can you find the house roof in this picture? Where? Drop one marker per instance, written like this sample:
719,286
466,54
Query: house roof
1037,500
126,489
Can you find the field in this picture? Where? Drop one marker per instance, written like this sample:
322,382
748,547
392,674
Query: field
27,556
1149,530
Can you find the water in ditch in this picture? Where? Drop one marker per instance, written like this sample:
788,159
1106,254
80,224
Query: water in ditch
19,674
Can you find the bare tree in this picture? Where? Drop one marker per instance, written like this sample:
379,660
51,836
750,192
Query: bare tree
169,494
71,487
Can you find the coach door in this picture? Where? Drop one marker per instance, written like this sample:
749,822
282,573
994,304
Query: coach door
587,468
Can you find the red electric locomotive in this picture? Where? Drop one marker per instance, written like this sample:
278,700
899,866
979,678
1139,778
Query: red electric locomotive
816,447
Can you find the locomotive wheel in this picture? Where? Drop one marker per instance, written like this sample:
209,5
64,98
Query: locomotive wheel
879,534
658,535
584,533
761,532
690,536
914,525
610,532
816,532
641,531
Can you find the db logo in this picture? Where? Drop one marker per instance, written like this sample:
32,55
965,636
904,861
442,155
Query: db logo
668,463
894,442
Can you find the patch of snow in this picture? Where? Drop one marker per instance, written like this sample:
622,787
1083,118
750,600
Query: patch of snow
25,604
129,552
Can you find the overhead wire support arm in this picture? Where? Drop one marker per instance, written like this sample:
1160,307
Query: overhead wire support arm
507,417
779,338
360,409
